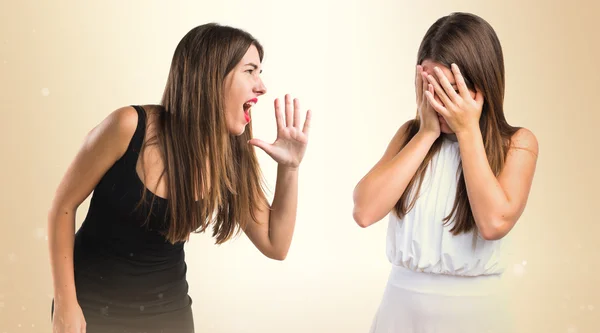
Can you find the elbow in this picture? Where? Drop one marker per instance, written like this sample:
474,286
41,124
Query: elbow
494,230
358,213
57,210
278,255
361,218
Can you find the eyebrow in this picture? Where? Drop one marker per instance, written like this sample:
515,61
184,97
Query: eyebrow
253,65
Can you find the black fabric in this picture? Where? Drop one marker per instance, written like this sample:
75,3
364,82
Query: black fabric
128,278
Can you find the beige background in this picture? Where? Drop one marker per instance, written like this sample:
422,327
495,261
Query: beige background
65,65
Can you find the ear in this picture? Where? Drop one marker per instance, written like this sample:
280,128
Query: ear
479,97
472,93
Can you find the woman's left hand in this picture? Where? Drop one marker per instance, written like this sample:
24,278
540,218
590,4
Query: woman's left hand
292,138
460,109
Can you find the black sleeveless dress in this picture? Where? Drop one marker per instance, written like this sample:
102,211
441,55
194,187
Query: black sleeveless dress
128,278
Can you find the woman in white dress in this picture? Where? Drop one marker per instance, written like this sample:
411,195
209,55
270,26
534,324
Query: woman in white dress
454,182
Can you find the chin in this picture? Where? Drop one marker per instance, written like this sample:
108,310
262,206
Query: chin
444,128
237,131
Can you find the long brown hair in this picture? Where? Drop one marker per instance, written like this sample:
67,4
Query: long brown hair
470,42
213,177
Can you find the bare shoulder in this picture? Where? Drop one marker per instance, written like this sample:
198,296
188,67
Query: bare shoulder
116,129
123,120
524,139
103,145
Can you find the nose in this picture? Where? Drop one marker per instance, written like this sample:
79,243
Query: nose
260,88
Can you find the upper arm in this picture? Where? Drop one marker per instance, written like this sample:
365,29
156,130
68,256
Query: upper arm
517,175
102,147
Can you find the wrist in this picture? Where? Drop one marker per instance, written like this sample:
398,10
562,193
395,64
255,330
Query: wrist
62,300
287,168
468,132
428,136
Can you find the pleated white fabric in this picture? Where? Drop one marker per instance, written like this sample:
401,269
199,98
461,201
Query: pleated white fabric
440,282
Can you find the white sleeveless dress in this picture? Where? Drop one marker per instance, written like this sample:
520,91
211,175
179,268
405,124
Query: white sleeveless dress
440,283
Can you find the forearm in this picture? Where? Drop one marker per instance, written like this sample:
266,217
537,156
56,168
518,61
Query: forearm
282,217
488,200
61,231
377,193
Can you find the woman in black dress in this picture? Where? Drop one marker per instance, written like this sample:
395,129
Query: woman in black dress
159,173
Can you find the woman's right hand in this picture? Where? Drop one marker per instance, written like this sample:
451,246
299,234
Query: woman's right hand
429,121
68,318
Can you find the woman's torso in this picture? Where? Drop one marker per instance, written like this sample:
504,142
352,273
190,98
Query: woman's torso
422,242
124,267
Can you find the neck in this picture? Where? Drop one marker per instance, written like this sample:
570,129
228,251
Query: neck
450,136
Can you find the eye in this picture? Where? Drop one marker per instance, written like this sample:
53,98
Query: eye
250,71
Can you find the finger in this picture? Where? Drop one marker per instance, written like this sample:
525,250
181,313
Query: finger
432,91
419,82
428,88
278,114
463,90
436,106
288,111
306,127
266,147
424,85
439,91
296,113
445,83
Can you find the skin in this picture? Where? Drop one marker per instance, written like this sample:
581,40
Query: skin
242,84
108,142
496,202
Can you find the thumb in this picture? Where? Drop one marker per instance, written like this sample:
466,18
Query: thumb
266,147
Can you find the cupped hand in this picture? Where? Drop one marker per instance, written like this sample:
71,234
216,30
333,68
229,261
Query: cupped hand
292,135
